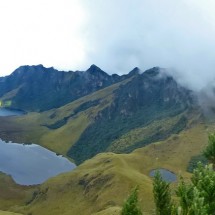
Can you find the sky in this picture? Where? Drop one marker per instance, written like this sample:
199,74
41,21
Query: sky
116,35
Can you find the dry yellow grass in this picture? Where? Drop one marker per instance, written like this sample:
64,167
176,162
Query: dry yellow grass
30,128
12,196
8,213
100,185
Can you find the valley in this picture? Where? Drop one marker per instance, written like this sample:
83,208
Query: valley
116,131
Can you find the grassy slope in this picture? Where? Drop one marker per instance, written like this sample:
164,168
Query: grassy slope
142,134
100,185
71,122
30,127
12,195
8,213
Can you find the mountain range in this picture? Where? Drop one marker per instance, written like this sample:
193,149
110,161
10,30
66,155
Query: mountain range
115,128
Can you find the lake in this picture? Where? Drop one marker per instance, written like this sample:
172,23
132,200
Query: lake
9,112
165,174
30,164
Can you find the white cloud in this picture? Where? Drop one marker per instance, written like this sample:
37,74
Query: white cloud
42,31
116,35
165,33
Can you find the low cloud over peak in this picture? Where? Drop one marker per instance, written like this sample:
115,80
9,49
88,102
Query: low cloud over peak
116,35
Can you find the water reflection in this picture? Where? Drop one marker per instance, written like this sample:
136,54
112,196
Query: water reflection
31,164
10,112
165,174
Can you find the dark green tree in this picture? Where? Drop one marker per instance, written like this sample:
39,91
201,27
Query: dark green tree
162,196
209,151
191,201
185,194
204,180
131,206
198,205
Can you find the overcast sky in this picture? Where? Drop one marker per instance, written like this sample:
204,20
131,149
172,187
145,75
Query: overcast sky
116,35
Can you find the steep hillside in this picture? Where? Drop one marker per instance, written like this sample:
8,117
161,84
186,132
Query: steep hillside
8,213
36,88
58,129
12,195
148,115
152,104
101,184
139,110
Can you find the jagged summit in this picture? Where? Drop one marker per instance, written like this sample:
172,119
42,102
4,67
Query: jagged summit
37,88
95,70
94,67
134,71
29,69
153,71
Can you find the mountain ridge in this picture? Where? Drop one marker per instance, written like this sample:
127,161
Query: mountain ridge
116,134
36,88
141,102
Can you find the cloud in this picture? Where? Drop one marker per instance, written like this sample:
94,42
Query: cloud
116,35
171,34
40,32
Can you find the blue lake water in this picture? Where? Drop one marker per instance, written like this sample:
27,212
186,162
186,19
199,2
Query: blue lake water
165,174
30,164
9,112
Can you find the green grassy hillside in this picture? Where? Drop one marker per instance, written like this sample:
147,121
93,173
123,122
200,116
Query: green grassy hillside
8,213
146,100
12,196
69,122
148,116
120,118
101,184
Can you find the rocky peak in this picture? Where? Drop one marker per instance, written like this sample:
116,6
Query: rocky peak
96,71
153,71
134,71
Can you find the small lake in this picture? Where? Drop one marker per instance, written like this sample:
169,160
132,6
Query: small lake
165,174
10,112
30,164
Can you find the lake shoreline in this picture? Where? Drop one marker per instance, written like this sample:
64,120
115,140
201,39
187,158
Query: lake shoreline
27,163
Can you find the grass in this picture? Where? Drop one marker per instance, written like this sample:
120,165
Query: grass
12,196
100,185
142,134
8,213
32,128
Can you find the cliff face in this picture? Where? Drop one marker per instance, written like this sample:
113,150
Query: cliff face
148,97
94,113
36,88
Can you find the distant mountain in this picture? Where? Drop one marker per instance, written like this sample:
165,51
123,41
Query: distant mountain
133,111
36,88
88,116
147,98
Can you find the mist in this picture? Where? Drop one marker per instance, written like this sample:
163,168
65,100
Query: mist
116,35
177,35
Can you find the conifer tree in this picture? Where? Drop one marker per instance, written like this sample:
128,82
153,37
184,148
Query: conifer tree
204,180
198,205
162,196
209,151
131,206
185,194
191,200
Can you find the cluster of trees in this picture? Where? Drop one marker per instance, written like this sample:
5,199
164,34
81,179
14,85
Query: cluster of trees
194,198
